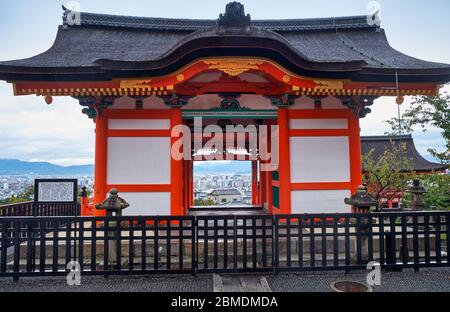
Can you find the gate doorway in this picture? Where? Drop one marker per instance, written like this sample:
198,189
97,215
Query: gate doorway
228,176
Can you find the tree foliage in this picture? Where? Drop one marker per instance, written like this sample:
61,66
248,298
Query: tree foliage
204,202
25,196
427,111
437,196
389,174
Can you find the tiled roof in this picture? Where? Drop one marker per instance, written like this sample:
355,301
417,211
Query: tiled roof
180,24
105,43
224,192
379,144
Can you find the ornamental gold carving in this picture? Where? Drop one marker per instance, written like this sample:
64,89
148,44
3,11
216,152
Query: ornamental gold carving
328,84
233,67
135,83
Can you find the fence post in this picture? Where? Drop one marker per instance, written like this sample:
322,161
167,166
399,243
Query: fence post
275,248
194,251
34,209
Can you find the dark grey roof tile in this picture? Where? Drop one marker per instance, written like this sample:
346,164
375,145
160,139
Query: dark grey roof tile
379,144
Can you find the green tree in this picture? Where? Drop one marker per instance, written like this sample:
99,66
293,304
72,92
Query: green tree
388,174
202,202
26,195
437,186
426,111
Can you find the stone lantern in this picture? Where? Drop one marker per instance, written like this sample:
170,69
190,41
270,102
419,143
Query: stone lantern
362,203
417,192
361,200
113,205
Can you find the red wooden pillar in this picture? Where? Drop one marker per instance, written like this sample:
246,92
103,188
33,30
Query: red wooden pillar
284,168
254,182
101,158
176,174
191,183
262,187
268,186
185,183
355,153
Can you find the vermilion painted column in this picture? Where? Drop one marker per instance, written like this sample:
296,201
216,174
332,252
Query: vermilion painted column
284,162
355,153
176,173
254,182
268,188
191,183
101,159
262,187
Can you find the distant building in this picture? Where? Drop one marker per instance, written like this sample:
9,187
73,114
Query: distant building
380,144
222,196
200,195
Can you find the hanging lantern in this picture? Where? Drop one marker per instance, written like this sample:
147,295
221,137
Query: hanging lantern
48,99
400,99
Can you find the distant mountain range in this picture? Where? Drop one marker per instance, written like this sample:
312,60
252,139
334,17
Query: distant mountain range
19,167
232,167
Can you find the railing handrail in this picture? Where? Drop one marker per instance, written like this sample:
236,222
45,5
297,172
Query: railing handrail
16,204
265,216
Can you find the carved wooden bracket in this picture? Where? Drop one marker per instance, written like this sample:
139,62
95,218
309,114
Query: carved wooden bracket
94,106
284,100
359,104
175,100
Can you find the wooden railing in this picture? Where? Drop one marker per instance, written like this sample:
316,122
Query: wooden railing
33,246
32,209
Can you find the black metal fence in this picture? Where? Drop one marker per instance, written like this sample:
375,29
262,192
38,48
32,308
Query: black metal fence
28,209
138,245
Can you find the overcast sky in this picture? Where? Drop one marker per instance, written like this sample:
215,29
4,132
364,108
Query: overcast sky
59,133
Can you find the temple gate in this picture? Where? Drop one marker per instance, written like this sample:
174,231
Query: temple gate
313,79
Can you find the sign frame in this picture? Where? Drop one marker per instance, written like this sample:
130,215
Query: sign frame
75,191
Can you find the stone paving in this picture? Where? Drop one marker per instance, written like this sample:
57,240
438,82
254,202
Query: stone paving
426,280
151,283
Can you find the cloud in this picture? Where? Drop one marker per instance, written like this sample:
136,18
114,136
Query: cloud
32,130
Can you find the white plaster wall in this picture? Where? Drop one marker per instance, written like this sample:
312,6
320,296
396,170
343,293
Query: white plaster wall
139,160
320,159
147,203
318,123
320,201
138,124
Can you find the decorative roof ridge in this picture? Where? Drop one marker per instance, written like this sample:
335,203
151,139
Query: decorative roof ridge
184,24
412,147
387,137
